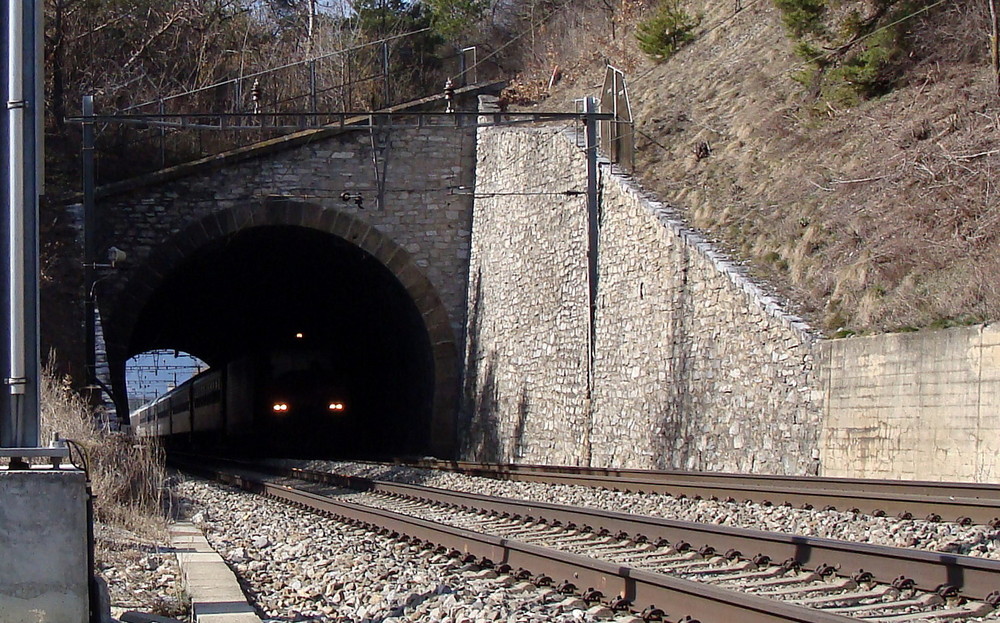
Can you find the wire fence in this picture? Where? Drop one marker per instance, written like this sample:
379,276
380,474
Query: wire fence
369,76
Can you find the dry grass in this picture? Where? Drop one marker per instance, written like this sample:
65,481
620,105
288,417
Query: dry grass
127,474
874,217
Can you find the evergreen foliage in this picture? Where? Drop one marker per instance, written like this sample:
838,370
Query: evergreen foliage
802,17
454,18
667,30
859,54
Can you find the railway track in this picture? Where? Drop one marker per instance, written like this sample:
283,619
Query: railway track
635,561
963,503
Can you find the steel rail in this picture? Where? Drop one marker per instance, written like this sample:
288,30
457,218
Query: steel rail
952,501
976,578
573,571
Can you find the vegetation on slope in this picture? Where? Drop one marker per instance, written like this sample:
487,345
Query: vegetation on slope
844,151
127,475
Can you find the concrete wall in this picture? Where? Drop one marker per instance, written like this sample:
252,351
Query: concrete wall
694,367
920,406
43,547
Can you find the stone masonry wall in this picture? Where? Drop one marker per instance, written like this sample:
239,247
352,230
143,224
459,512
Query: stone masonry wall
922,406
420,213
526,349
694,367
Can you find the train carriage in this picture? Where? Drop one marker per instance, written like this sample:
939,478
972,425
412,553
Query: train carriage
284,400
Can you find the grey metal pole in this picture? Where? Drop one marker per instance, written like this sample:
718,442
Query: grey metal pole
17,200
593,217
89,239
23,182
593,239
6,416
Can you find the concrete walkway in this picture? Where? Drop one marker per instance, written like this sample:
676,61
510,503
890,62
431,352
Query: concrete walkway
215,593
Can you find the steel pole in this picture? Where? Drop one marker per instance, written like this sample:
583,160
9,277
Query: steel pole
16,104
89,238
23,183
593,238
6,416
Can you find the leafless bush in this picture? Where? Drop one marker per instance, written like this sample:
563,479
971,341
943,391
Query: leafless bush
958,32
126,473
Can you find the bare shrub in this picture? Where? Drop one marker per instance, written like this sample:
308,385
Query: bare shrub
126,473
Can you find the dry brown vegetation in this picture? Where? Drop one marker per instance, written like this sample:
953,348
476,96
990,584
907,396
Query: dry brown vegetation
127,474
872,215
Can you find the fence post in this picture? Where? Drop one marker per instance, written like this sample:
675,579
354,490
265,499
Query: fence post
385,72
313,105
163,135
465,65
348,93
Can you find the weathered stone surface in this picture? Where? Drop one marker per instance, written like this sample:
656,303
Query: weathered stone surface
693,366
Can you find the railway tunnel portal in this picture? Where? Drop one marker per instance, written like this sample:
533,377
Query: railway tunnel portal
247,250
284,288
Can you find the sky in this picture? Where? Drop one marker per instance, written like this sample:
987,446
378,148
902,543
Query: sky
153,373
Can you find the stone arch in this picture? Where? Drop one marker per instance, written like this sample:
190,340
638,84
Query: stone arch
137,287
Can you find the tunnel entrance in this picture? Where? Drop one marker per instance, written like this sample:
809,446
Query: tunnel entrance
281,288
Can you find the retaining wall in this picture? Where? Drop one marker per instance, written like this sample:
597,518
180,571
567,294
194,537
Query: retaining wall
693,366
920,406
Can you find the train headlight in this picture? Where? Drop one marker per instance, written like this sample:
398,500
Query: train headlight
336,407
280,407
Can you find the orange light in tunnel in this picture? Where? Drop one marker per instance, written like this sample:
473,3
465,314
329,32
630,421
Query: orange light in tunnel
299,336
280,407
336,406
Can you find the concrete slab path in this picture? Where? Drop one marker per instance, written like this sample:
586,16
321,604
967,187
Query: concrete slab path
215,593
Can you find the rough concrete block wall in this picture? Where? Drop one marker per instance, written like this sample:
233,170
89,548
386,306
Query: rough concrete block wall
43,547
920,406
694,367
526,371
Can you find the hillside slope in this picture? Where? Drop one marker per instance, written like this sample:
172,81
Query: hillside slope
873,216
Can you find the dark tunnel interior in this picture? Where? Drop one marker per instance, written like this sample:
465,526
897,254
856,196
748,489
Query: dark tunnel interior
256,290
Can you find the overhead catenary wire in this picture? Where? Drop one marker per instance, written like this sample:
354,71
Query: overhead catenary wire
279,68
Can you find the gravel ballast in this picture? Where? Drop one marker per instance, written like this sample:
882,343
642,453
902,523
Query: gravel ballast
978,540
298,566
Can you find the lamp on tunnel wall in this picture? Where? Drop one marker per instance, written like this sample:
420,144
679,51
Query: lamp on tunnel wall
114,256
355,197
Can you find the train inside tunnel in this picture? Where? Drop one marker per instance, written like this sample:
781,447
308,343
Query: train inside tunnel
277,301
